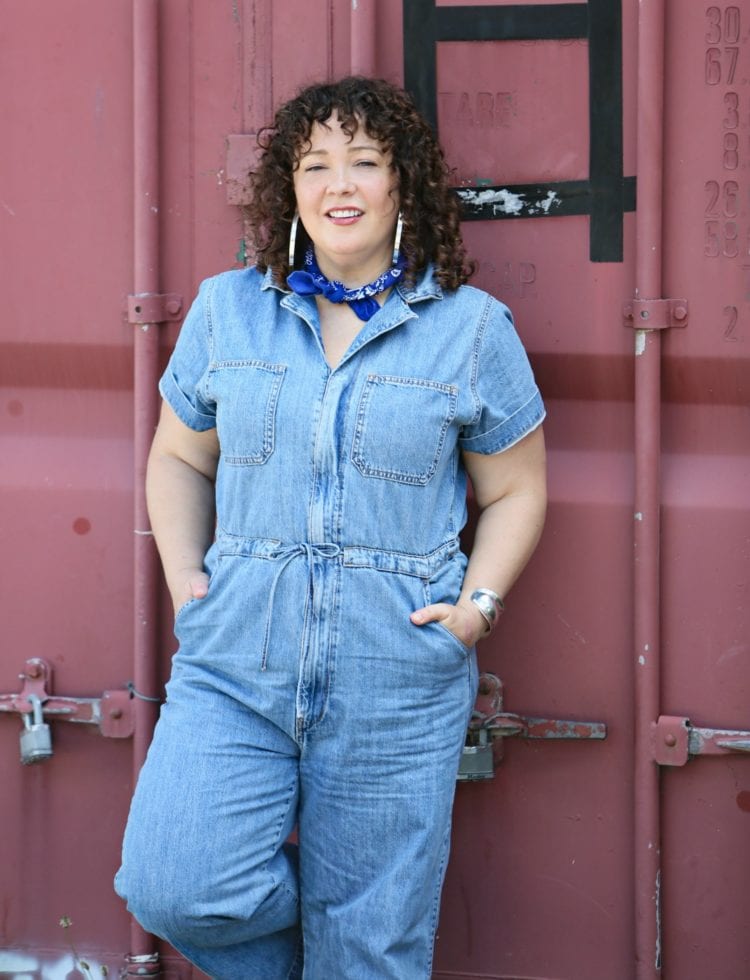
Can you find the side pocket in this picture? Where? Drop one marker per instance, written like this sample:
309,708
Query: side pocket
212,569
432,595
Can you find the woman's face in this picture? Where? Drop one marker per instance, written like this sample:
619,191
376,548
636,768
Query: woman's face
348,201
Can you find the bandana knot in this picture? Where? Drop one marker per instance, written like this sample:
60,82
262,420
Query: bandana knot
310,281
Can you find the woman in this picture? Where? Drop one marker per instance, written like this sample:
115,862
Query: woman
306,488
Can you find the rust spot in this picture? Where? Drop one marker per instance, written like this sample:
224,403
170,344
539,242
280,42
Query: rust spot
743,800
82,525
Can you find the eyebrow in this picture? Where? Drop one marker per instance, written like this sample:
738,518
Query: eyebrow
349,149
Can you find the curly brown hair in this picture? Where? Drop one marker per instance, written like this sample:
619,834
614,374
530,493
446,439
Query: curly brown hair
430,209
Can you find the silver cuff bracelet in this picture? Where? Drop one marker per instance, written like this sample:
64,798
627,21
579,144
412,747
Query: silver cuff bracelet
489,604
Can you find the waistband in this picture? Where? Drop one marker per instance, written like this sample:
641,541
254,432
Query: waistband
350,556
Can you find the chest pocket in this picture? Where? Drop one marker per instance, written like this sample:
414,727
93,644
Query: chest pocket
246,395
401,428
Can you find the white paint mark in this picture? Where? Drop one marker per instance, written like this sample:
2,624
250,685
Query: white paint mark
646,647
547,203
22,966
573,630
638,515
154,209
354,4
640,342
502,201
9,209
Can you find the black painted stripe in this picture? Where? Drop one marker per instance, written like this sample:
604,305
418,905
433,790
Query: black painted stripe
420,55
605,130
561,199
607,193
545,22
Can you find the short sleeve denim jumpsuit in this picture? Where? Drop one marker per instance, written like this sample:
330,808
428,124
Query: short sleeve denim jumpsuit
301,695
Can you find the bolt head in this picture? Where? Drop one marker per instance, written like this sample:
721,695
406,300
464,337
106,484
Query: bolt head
670,740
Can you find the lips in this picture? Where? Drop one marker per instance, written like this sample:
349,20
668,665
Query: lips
344,214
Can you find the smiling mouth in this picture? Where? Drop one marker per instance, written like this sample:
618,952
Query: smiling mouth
343,213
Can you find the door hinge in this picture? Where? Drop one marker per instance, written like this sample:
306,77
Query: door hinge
487,729
655,314
154,307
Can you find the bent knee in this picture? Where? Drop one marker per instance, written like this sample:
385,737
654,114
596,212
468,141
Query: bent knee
207,919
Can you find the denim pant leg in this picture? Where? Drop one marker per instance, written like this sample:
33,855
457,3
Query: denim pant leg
377,779
204,860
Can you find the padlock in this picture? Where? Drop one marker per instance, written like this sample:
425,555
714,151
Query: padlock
36,738
477,761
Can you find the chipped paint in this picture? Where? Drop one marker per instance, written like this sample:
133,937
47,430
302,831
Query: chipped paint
640,342
502,200
642,660
546,204
657,903
638,515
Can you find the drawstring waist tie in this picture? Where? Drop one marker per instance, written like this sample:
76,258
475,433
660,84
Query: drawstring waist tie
350,556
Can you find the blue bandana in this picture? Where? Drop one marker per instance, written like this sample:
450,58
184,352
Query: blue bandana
311,281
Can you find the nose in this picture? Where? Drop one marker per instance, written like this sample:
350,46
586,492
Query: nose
341,181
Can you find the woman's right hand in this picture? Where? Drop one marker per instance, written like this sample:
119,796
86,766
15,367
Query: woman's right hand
194,585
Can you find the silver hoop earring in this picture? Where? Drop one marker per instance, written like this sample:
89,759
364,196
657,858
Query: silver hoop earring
293,239
397,242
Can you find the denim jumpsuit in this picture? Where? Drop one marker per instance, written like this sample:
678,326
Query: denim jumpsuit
301,695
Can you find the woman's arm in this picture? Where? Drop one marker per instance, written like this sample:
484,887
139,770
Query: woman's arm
180,496
510,491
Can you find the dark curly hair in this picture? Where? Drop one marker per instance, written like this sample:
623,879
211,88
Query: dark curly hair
430,210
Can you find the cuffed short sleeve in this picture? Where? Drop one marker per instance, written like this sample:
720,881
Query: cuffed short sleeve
509,405
183,384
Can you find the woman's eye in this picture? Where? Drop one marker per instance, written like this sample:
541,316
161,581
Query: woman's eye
312,167
366,163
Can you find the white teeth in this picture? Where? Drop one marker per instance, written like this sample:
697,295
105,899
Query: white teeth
345,213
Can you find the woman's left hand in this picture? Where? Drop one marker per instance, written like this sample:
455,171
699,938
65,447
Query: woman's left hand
463,620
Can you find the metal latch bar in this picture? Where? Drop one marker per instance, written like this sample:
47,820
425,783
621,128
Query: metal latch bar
487,729
112,712
675,740
655,314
